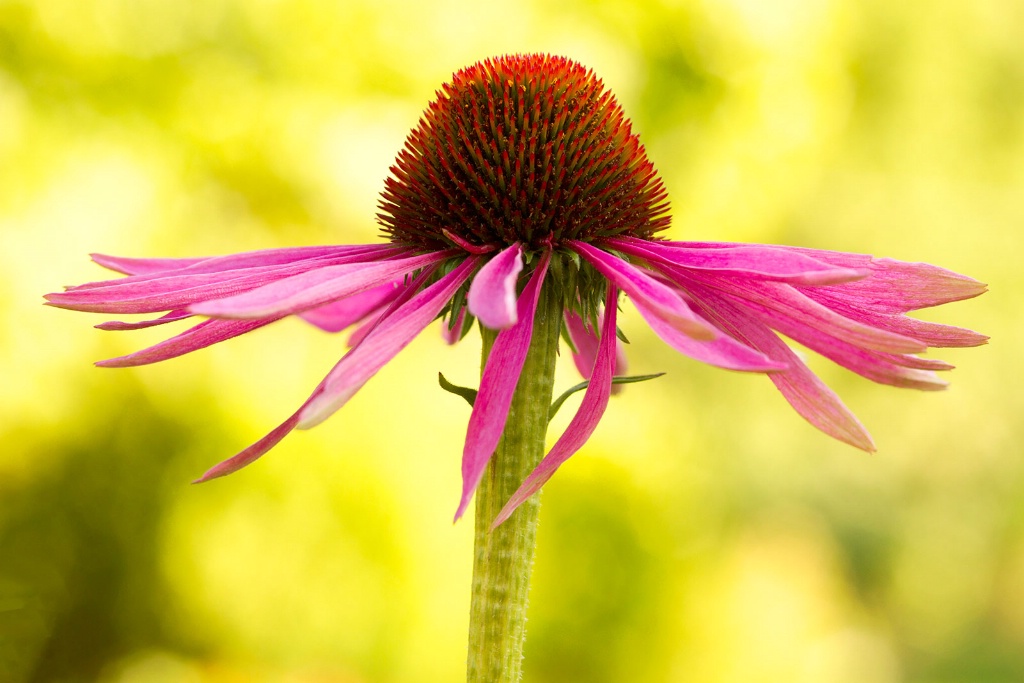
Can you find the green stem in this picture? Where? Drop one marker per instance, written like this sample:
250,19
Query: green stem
503,558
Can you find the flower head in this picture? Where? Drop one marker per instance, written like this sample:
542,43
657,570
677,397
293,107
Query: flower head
524,174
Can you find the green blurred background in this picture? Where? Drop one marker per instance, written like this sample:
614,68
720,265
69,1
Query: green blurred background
705,534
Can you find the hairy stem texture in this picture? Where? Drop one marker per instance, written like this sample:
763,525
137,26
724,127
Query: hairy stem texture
503,558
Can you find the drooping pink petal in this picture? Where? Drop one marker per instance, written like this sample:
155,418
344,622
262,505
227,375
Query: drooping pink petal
808,395
778,297
875,365
583,424
497,386
451,331
722,352
314,288
392,334
763,262
492,294
204,334
253,452
117,325
647,293
339,315
586,344
180,288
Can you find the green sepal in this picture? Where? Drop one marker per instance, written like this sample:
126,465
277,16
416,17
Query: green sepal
626,379
464,392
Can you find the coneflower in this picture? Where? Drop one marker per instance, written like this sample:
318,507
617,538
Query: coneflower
523,199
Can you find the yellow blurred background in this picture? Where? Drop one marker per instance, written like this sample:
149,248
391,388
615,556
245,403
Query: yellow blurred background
705,534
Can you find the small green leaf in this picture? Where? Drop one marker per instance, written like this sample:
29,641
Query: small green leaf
464,392
628,379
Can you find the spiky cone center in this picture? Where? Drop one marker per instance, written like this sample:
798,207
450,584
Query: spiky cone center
524,148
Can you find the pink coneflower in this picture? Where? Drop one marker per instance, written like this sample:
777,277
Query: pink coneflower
524,177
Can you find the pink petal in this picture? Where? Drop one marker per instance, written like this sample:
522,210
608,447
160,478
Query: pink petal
497,386
583,424
492,295
338,315
392,334
763,262
898,286
808,395
204,334
657,299
117,325
314,288
451,331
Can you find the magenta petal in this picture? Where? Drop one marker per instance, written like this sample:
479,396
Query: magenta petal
314,288
645,291
497,386
583,424
338,315
586,343
251,453
759,261
204,334
392,334
492,294
117,325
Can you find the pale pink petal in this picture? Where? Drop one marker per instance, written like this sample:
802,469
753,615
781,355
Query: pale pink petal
142,266
339,315
656,298
763,262
314,288
497,386
393,333
808,395
898,286
179,288
251,453
117,325
204,334
583,424
248,259
492,294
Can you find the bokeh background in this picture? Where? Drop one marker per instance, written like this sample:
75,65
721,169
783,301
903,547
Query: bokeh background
705,534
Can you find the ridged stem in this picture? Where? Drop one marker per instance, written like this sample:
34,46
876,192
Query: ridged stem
503,558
